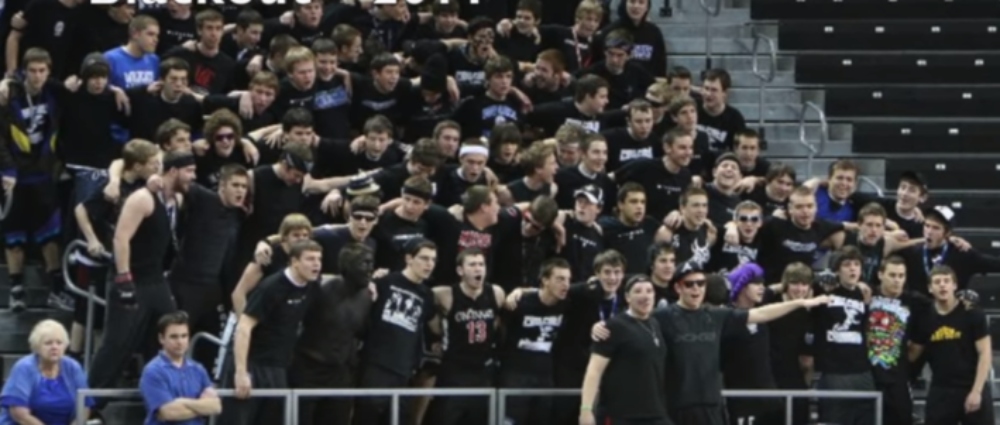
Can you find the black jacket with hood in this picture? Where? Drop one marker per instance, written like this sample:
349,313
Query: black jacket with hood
649,47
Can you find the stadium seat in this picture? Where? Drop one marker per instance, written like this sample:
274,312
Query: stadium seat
987,242
873,9
973,209
988,288
878,101
963,68
888,35
925,137
948,174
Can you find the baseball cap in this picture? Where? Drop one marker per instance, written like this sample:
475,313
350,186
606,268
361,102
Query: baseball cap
941,213
914,177
593,194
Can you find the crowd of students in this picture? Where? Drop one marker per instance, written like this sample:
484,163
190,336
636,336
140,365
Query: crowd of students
361,195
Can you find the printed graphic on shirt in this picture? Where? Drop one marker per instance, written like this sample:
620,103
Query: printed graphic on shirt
847,331
546,326
643,52
403,309
630,154
700,254
886,330
745,254
946,333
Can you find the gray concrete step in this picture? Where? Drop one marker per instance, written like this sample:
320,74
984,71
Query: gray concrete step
696,44
15,327
721,30
740,62
775,95
749,79
771,112
790,131
794,148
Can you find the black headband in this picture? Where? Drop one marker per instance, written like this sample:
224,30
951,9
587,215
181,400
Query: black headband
297,162
418,193
179,161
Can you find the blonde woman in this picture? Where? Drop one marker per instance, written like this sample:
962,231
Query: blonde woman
42,386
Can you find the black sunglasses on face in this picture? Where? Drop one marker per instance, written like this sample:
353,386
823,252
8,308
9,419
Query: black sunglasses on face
693,283
749,218
363,217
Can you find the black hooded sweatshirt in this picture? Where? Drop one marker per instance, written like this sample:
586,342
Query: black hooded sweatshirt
649,47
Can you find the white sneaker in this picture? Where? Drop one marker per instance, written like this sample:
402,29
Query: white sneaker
62,301
17,303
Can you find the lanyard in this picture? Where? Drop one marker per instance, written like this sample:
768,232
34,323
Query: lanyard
614,308
579,57
927,261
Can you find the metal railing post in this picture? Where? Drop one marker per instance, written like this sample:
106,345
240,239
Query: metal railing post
494,419
90,295
395,409
501,405
878,409
764,78
291,408
710,12
824,135
878,189
789,410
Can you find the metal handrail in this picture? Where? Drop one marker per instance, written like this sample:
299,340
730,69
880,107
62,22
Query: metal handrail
868,180
291,406
764,78
824,134
710,12
90,295
202,336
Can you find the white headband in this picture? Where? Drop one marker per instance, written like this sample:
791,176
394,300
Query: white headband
473,149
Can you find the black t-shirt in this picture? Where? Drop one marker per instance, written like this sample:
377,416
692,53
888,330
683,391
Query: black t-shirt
727,257
693,351
721,207
788,342
54,27
624,148
583,243
571,178
721,128
692,246
331,108
871,254
631,241
889,323
550,116
335,158
334,323
781,243
746,364
278,305
150,110
173,32
370,101
630,84
398,318
333,238
520,191
208,74
465,71
451,185
949,342
531,329
477,115
663,188
839,332
633,385
210,164
391,234
588,304
759,195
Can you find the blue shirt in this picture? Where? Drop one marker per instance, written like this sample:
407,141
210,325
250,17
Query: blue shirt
163,382
828,209
128,71
51,400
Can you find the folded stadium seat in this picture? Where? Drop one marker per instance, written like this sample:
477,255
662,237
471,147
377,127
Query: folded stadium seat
988,288
925,137
976,209
987,242
874,9
948,174
880,101
862,68
888,35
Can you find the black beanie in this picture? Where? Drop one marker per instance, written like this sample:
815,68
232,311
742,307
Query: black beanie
94,65
434,76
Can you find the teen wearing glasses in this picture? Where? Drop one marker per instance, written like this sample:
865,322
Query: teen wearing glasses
748,216
624,375
693,333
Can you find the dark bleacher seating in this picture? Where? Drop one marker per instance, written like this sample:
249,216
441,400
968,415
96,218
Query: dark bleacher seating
879,101
988,288
978,210
874,9
948,174
888,35
958,68
985,241
925,137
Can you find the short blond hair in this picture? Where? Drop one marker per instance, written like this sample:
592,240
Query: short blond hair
45,329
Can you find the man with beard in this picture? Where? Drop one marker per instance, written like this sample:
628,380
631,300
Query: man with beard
956,340
326,355
526,359
693,333
469,321
746,359
200,274
264,345
144,235
403,307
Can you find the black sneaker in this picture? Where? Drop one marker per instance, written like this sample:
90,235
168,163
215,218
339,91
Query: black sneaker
62,301
17,303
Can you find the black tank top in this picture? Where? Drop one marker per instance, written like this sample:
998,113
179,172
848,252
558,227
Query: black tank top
273,199
150,244
469,333
531,329
692,246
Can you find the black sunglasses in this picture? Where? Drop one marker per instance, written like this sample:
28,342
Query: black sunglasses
750,218
693,283
363,217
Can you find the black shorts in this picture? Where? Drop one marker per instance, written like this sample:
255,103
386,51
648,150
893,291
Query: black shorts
85,276
33,215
